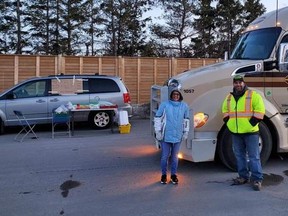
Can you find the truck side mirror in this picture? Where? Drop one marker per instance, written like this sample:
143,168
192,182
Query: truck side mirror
283,57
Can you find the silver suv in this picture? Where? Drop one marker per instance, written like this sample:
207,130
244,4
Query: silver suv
37,97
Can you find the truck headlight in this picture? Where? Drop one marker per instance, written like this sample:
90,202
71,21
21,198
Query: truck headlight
200,119
180,156
173,83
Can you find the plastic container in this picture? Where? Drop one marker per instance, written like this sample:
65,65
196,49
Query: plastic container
124,129
123,117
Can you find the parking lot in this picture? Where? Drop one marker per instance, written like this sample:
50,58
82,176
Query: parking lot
97,173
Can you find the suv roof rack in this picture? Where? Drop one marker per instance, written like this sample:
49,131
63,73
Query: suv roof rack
61,74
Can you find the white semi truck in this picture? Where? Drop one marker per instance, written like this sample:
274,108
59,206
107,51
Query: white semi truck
261,56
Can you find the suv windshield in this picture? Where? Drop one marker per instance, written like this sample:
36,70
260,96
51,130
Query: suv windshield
256,44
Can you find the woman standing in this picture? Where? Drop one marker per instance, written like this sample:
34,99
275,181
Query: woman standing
171,125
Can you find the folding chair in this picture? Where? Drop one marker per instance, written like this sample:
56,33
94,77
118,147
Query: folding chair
59,119
27,127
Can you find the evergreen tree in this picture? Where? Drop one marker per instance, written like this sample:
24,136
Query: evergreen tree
178,25
92,27
56,35
72,17
194,28
203,44
14,28
228,23
252,9
40,13
153,48
124,27
5,27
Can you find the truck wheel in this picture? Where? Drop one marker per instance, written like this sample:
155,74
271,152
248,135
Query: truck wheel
225,151
101,119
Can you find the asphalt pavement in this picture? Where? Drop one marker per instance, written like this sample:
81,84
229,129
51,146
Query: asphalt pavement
97,172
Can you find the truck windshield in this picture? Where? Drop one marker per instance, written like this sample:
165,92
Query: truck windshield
256,44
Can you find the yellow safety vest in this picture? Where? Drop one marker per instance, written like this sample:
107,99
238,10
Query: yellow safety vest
240,112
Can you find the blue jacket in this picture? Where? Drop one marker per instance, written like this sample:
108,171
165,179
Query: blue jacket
176,112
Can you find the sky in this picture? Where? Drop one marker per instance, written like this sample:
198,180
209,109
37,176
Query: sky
272,4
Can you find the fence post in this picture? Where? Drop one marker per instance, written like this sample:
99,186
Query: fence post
203,62
55,65
117,62
170,67
173,66
81,65
138,78
100,65
60,63
16,69
63,64
155,71
121,67
37,66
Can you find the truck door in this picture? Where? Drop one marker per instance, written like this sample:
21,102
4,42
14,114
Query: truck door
280,86
280,90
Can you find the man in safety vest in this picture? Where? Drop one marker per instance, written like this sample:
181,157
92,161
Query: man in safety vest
242,110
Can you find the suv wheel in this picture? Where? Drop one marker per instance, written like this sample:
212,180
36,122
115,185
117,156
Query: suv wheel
101,119
1,126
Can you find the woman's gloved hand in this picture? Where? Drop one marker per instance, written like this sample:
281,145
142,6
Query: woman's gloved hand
158,135
185,135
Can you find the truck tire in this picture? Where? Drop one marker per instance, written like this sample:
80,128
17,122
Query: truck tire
225,151
101,119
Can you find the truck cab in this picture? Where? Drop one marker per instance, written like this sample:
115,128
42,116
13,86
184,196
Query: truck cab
261,57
